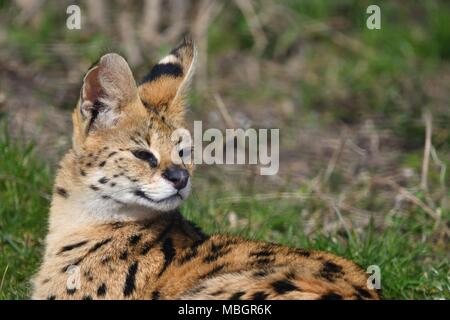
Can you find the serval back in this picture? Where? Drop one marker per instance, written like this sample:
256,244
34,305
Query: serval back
114,229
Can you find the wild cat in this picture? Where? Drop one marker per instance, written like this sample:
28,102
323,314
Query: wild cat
114,223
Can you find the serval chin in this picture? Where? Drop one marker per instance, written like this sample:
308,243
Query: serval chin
114,228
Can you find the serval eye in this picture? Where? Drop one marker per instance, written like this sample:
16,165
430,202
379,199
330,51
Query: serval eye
146,156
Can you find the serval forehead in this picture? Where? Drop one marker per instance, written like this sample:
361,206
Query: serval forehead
153,128
159,122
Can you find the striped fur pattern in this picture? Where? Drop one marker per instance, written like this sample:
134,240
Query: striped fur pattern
114,228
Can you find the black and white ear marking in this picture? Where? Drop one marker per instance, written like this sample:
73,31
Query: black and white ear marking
164,87
186,54
178,64
168,66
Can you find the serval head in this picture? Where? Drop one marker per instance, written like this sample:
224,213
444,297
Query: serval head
125,157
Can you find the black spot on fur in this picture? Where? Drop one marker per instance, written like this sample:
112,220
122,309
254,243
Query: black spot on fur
124,255
332,267
217,293
283,286
262,273
363,293
73,246
330,271
150,244
130,281
135,141
75,263
167,69
237,295
102,164
147,106
169,253
196,290
147,140
113,184
141,194
101,291
191,254
98,245
146,247
87,297
155,295
51,297
259,295
217,251
103,180
94,187
83,173
291,275
117,225
62,192
214,271
134,239
111,154
331,296
71,291
302,252
88,275
212,257
264,261
105,260
262,253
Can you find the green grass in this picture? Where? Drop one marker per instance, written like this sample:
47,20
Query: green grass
414,264
25,184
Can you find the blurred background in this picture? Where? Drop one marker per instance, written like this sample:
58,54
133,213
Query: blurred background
363,115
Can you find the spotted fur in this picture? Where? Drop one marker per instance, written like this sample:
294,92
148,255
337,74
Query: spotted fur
114,229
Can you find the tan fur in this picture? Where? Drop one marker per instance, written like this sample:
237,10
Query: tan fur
113,219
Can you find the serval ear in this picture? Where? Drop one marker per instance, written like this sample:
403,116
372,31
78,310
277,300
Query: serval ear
164,88
108,88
